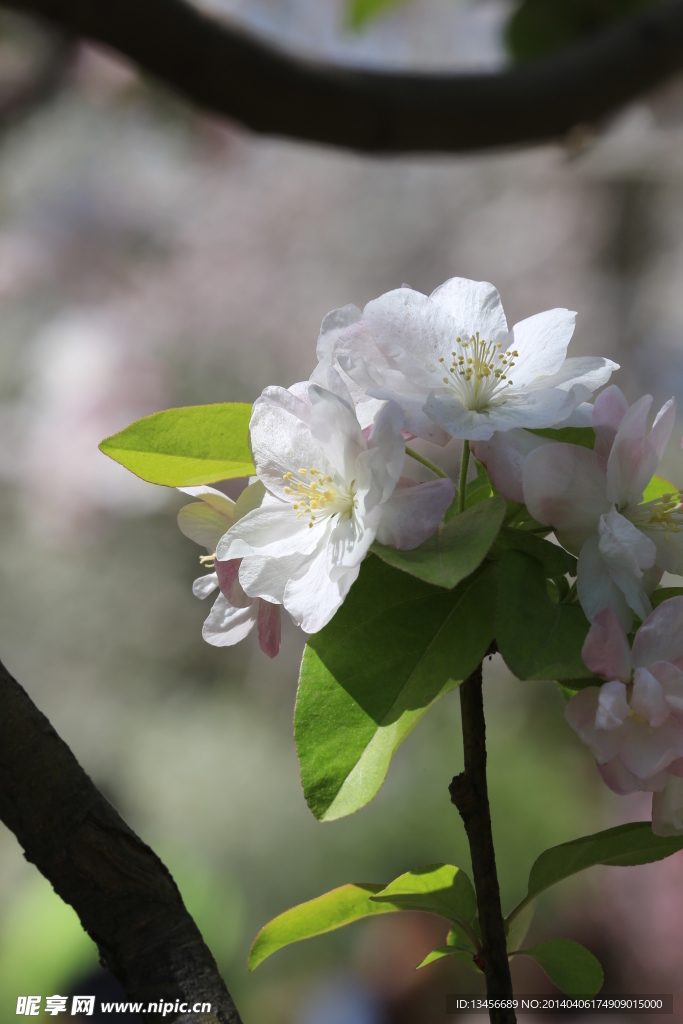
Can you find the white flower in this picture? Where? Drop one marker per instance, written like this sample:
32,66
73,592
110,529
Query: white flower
456,370
234,614
633,724
594,502
331,492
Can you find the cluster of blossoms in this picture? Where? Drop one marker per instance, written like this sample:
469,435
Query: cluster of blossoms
329,456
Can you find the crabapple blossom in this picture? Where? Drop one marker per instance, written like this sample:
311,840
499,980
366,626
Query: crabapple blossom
594,502
234,614
451,363
331,491
633,723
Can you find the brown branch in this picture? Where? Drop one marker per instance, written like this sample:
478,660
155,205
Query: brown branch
125,897
233,74
469,793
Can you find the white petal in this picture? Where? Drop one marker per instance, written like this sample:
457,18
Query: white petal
622,545
613,708
350,542
281,439
332,326
250,498
267,577
580,713
541,342
582,416
564,487
596,588
667,809
412,332
216,499
670,678
226,625
205,585
474,306
413,512
312,598
203,524
589,371
336,431
648,698
386,436
660,638
271,531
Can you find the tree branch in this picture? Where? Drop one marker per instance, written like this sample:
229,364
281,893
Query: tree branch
469,793
269,91
125,897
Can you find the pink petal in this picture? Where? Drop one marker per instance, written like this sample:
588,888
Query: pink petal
648,700
596,588
228,581
660,638
620,780
564,487
608,411
667,809
606,651
504,456
580,714
413,512
646,751
634,457
269,631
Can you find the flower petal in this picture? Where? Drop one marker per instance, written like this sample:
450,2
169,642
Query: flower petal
203,524
541,342
251,497
413,512
474,306
580,714
596,588
267,577
669,548
634,457
205,585
623,782
660,638
226,625
608,411
646,751
229,582
271,531
667,809
386,436
213,497
648,700
503,455
590,372
535,409
564,487
605,650
269,628
613,708
622,545
335,431
313,597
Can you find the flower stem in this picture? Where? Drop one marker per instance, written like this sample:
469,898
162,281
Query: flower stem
469,793
464,466
425,462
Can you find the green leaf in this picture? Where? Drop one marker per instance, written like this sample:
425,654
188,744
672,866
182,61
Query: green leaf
477,490
394,647
663,594
657,487
439,889
341,906
623,846
554,559
537,638
197,444
583,436
519,926
573,685
466,956
359,12
569,965
455,549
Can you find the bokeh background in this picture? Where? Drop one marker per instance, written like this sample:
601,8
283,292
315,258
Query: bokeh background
151,256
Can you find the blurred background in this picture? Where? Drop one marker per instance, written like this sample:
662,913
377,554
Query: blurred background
150,257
